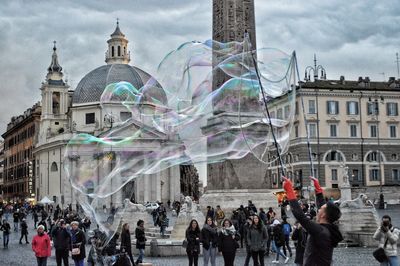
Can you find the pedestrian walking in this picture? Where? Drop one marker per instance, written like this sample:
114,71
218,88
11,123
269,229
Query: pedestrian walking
126,241
220,216
256,239
278,240
246,229
16,220
209,239
287,229
78,244
24,231
192,236
35,218
6,228
140,240
299,237
41,246
388,236
62,242
324,234
227,242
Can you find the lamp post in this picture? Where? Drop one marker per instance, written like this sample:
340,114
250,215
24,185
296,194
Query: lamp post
315,70
375,113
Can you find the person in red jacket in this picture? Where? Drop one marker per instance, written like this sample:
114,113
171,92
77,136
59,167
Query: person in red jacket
41,246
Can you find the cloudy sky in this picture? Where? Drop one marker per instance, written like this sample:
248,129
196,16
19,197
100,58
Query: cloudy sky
351,38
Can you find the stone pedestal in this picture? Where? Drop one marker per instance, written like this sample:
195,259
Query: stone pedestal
231,199
359,225
345,193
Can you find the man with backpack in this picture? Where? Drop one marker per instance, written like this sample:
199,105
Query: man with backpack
278,240
287,229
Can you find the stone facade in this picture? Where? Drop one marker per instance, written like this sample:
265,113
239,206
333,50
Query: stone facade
344,131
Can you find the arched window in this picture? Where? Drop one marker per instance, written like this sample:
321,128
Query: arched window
334,156
112,51
373,157
119,50
54,167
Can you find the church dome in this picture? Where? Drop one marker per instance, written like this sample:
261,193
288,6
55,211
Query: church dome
91,87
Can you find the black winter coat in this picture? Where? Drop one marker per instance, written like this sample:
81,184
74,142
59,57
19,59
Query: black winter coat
61,238
24,228
78,241
227,244
322,238
126,240
140,238
193,241
209,236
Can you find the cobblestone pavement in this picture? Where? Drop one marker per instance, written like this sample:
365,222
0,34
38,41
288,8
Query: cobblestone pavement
22,255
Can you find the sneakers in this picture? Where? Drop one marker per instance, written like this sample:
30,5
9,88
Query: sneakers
287,259
275,261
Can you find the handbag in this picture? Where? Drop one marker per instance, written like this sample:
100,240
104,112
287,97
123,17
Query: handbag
76,251
379,253
184,243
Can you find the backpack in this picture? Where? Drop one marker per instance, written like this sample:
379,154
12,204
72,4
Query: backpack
286,229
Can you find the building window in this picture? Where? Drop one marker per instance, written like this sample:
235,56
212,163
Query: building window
395,175
354,157
296,131
332,107
112,51
394,157
119,50
392,131
334,156
54,167
312,130
373,131
125,115
333,130
272,114
287,111
311,107
373,157
391,109
334,174
352,108
89,118
353,131
355,175
279,114
373,175
372,108
296,108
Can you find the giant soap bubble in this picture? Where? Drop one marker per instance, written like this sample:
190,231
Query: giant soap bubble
205,104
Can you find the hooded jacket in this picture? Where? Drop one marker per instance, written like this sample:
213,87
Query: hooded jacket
322,238
257,238
392,237
41,245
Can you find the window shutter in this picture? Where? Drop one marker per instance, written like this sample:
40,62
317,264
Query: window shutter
337,107
327,107
348,107
356,104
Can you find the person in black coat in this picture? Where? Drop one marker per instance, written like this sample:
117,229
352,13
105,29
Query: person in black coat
193,242
126,241
78,242
140,240
300,237
209,239
62,242
227,242
24,231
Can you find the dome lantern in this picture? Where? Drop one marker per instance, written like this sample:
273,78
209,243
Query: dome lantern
117,52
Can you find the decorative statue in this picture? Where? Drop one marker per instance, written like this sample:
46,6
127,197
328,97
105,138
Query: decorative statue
360,202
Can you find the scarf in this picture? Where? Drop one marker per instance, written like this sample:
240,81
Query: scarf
229,231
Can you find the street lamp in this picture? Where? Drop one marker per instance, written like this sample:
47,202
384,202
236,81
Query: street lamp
375,112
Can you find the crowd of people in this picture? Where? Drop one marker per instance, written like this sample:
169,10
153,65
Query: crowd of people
260,233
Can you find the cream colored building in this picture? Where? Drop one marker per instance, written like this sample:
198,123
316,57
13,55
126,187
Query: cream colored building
349,124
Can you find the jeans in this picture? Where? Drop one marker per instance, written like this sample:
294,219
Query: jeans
209,255
248,256
79,262
393,261
41,261
62,256
16,225
258,257
6,239
141,255
287,246
278,251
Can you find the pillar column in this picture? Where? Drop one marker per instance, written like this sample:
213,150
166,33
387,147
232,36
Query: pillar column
158,195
